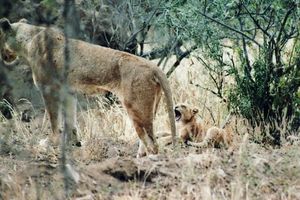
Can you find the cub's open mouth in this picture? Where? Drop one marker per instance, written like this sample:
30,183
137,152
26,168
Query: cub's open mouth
177,115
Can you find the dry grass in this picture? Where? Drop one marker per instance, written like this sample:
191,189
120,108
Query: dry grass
107,167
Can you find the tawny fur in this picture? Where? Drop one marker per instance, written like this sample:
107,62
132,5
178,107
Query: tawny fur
192,132
187,125
214,137
136,81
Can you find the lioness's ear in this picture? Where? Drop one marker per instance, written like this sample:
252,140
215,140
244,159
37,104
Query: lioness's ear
5,24
195,111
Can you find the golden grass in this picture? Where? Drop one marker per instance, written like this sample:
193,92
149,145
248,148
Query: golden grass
30,168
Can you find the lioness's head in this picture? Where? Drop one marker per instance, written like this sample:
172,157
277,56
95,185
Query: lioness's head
7,41
184,114
12,37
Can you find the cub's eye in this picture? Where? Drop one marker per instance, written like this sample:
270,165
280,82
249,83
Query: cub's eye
183,106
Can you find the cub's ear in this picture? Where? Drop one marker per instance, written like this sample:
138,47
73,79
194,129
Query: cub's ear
23,20
5,24
195,111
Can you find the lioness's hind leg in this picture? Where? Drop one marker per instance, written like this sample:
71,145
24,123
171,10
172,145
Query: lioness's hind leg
141,103
142,150
148,141
143,123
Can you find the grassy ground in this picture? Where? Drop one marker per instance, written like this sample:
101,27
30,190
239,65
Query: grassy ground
106,167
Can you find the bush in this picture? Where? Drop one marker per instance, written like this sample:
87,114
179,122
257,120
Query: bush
271,99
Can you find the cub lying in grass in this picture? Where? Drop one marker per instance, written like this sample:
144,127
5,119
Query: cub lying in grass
193,133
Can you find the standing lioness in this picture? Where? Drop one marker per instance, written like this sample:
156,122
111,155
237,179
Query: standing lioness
136,81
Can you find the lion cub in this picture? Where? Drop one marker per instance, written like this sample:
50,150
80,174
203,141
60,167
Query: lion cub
188,127
192,132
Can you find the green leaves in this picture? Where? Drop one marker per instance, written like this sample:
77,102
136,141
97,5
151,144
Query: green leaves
266,88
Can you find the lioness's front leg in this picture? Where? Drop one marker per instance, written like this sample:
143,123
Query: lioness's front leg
51,97
70,104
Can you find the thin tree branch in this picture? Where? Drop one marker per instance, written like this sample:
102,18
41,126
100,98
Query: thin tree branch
284,23
205,64
227,121
248,66
162,52
214,80
293,50
154,54
209,90
230,28
256,21
211,114
145,24
179,59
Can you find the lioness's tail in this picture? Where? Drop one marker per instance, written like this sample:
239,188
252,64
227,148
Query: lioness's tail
162,79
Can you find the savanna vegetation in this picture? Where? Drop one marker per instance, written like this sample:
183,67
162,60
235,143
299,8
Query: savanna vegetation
237,61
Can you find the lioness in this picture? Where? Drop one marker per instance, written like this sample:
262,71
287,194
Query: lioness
192,132
136,81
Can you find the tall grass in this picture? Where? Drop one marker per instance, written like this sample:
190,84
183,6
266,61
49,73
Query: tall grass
248,170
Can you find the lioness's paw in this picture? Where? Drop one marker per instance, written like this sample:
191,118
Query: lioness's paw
77,144
74,138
